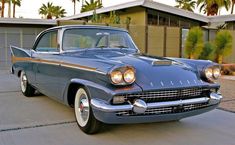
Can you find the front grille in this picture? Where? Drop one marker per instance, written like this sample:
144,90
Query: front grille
168,95
164,96
165,110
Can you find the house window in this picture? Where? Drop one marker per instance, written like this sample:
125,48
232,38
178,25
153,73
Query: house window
174,22
152,19
184,33
184,24
163,20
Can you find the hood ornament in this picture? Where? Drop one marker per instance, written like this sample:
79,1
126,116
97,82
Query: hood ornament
161,62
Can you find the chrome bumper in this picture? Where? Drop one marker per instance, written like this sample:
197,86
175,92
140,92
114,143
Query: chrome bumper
139,106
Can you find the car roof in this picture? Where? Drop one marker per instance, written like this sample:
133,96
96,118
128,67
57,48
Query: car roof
86,26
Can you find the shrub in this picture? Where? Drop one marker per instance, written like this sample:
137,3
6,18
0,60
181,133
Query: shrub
223,43
207,52
194,43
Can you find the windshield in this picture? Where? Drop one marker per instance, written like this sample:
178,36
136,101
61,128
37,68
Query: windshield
84,38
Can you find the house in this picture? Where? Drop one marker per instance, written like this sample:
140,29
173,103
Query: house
159,29
21,33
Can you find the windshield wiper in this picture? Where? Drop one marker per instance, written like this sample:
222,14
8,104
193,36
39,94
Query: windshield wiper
102,46
115,46
120,46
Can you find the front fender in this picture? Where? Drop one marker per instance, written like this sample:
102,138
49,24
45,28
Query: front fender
100,91
197,64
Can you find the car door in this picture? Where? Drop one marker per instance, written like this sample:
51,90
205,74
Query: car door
47,70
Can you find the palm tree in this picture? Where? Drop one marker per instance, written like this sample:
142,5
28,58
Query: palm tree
58,12
94,4
211,7
3,8
74,5
47,10
15,3
194,42
223,45
233,3
188,5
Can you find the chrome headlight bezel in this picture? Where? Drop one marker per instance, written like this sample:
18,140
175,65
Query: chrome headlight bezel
124,71
212,73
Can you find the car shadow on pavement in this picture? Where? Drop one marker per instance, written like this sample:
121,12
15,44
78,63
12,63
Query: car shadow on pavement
107,128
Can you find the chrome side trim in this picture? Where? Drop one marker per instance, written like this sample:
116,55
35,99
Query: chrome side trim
104,106
56,63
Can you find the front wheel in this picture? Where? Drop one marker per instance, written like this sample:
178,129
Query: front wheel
83,113
26,88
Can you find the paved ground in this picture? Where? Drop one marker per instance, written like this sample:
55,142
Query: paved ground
228,91
42,121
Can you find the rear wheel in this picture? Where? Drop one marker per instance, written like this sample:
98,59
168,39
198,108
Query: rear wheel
83,113
26,88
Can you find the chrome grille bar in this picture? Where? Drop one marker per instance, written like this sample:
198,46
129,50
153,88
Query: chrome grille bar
164,110
162,95
179,102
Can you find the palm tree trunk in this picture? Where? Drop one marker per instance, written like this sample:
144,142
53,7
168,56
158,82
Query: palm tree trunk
191,56
233,3
49,16
14,10
9,9
220,59
3,8
74,7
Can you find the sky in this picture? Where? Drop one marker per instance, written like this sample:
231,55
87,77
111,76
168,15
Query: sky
29,8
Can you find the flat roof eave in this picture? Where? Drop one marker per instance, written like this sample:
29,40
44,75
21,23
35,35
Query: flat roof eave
222,18
143,3
27,21
105,9
175,11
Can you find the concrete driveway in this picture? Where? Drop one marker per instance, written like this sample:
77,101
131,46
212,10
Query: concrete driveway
42,121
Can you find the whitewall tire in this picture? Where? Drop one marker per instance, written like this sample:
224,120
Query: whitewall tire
26,88
83,112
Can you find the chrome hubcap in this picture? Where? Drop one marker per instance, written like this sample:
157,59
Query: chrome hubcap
82,107
23,82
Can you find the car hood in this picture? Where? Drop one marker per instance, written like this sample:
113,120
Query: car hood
149,75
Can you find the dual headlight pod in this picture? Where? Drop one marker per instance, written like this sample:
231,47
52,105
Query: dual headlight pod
212,73
122,76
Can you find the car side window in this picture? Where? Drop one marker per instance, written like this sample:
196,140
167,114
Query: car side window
74,40
48,42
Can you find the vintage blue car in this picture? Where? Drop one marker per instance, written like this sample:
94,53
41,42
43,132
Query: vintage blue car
100,72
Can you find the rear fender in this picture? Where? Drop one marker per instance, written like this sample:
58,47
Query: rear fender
19,52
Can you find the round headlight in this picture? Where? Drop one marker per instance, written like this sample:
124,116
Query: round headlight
209,73
116,77
216,73
129,76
